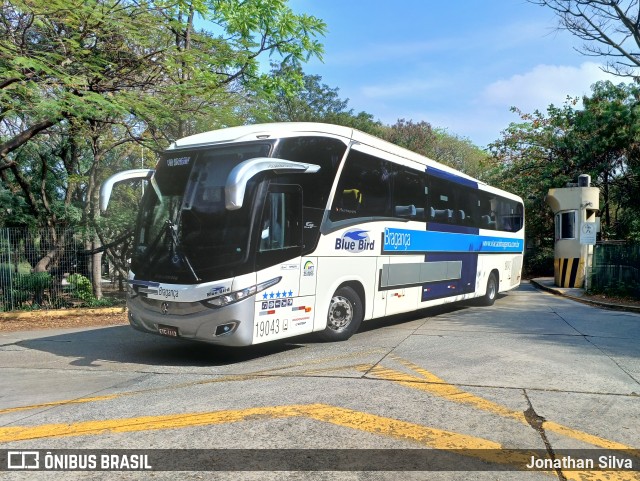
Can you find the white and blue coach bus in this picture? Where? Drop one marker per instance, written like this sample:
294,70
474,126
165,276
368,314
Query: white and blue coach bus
262,232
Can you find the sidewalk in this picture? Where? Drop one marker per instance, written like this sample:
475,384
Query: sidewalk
578,294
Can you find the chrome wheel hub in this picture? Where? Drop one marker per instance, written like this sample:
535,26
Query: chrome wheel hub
340,313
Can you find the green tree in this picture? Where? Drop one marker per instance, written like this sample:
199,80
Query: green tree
530,159
304,98
101,59
80,79
416,136
308,100
438,145
607,133
548,150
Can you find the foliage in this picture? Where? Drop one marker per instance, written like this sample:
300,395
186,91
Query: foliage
437,144
617,288
610,29
309,100
82,83
104,302
80,287
616,269
539,262
106,60
85,66
416,136
314,101
547,150
27,289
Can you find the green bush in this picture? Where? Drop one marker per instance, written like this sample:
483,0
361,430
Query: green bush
6,273
539,262
613,288
99,303
81,288
31,287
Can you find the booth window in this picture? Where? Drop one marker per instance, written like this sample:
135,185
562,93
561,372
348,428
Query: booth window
566,225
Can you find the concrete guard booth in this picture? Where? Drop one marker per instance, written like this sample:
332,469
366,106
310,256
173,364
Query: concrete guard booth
575,208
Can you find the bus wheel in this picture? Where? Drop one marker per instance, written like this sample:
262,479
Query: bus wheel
344,316
492,291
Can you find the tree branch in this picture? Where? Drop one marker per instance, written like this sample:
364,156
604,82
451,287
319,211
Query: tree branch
24,136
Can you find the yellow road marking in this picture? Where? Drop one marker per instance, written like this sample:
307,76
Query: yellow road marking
444,390
430,437
582,436
426,436
371,423
485,450
144,423
439,387
321,412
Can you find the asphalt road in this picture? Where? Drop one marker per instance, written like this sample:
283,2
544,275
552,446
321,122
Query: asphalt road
533,373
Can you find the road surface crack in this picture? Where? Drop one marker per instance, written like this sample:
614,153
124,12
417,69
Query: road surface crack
537,422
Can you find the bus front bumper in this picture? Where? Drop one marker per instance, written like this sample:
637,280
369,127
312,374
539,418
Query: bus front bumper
230,325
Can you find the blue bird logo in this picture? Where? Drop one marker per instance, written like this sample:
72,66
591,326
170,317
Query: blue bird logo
356,235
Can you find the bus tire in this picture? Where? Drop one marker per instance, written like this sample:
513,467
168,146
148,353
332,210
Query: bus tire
344,316
492,291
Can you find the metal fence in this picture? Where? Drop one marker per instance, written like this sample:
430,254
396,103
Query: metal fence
44,269
616,269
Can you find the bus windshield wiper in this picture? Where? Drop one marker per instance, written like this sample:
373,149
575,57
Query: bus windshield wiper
171,230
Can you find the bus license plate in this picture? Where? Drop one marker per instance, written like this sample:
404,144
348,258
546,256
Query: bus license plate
168,330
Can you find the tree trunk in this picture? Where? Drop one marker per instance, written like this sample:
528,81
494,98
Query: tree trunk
96,268
54,252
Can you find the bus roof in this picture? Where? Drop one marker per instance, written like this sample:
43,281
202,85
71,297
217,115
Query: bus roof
254,132
260,131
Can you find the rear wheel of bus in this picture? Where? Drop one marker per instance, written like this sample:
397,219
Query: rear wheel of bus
492,291
344,316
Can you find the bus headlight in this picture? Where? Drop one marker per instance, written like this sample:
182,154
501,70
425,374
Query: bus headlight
237,296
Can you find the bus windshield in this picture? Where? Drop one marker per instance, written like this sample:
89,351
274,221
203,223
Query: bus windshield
185,233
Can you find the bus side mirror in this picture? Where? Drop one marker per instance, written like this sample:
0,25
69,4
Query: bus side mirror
237,180
107,185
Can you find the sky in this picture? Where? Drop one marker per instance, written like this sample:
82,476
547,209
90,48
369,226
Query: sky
459,64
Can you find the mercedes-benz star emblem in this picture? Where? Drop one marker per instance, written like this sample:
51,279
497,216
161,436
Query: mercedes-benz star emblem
165,307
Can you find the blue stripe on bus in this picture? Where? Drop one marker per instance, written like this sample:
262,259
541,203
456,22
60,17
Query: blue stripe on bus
404,240
441,174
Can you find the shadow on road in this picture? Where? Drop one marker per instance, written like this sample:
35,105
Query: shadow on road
550,323
124,345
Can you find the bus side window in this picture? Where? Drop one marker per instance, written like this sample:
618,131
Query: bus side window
351,200
499,213
488,221
409,195
440,200
364,189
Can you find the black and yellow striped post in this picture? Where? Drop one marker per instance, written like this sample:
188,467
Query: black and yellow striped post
569,272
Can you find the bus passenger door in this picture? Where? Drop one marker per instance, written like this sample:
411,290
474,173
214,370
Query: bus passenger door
279,256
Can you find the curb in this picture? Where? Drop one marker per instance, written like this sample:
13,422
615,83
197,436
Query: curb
61,313
604,305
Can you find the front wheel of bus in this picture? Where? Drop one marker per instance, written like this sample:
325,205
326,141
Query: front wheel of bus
344,316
